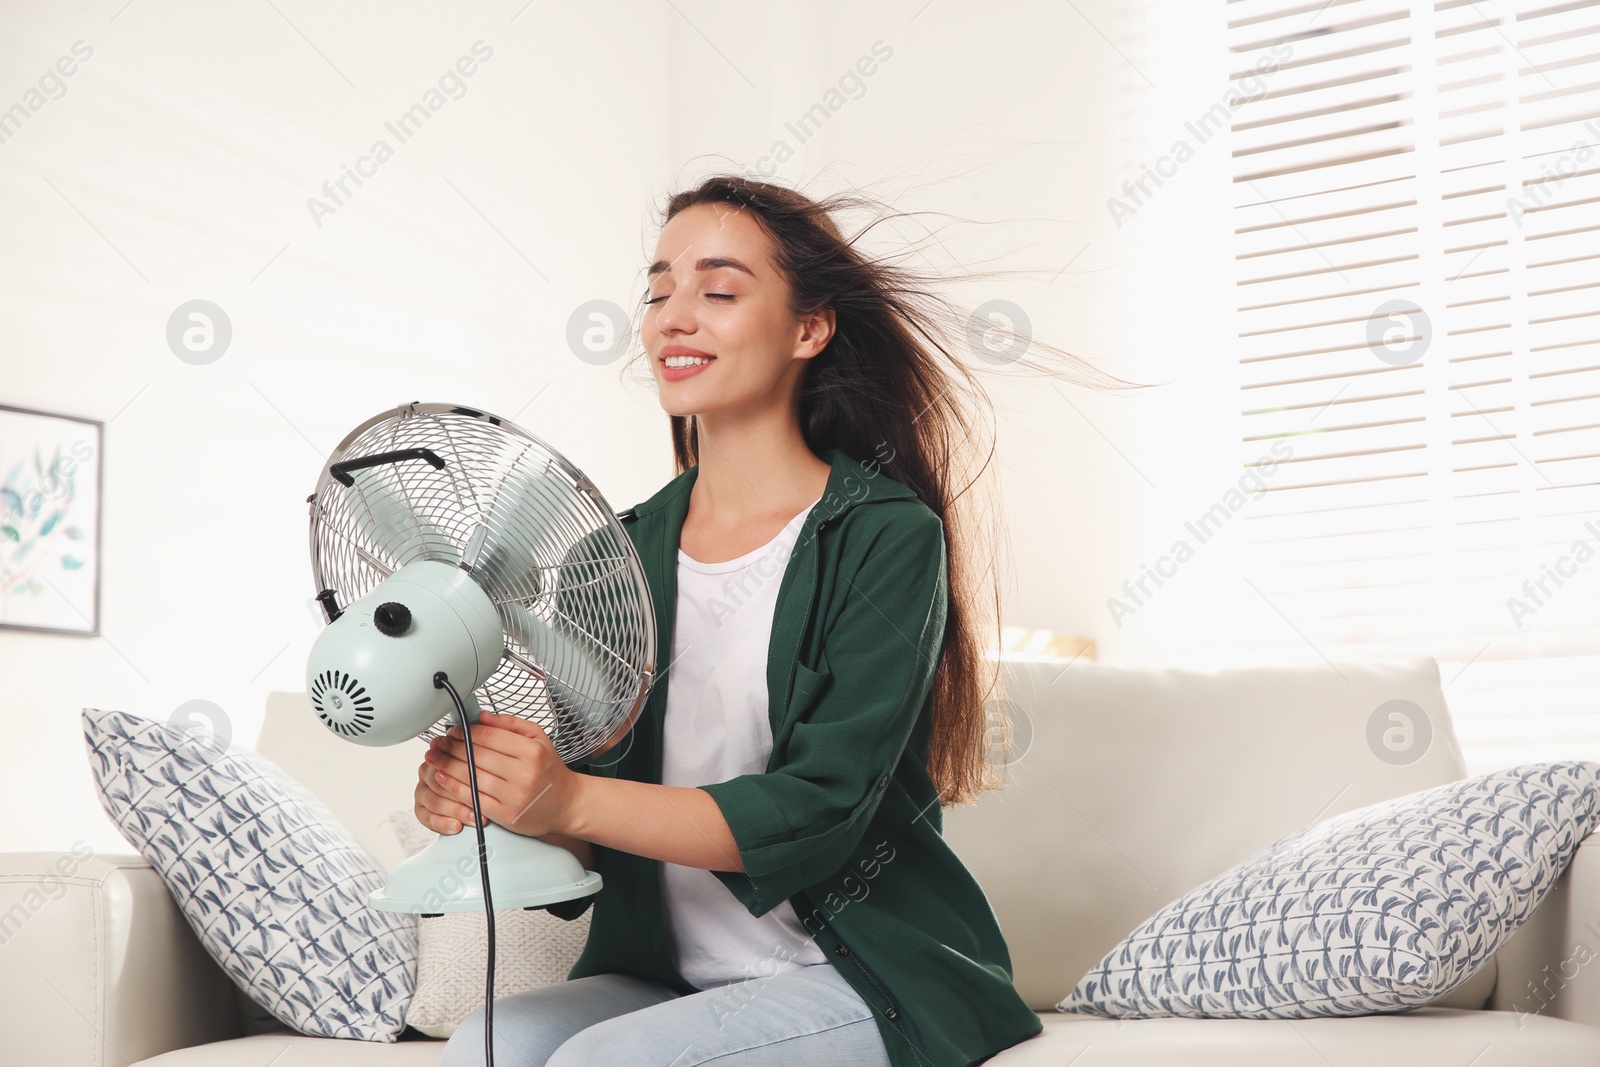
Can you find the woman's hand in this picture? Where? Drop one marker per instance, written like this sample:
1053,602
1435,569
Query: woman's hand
522,783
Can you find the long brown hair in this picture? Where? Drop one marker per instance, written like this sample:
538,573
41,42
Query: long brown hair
888,390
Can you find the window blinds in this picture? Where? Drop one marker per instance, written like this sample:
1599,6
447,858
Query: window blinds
1417,250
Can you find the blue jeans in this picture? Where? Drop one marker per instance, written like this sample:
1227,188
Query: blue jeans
806,1017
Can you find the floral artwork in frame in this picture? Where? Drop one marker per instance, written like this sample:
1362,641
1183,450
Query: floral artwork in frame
50,473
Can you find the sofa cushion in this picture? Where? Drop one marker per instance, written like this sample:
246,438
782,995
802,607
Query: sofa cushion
532,949
1426,1037
1384,908
275,888
298,1050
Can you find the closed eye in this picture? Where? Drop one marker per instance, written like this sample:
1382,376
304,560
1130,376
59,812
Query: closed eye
724,296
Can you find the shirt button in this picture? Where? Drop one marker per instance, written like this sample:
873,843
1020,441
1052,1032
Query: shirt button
890,1014
883,783
842,950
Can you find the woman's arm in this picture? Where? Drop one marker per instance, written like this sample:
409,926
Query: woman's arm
676,824
581,849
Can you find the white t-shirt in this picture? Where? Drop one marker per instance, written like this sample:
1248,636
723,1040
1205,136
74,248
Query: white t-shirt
716,728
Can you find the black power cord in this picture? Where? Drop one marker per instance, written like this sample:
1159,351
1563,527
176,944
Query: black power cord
440,681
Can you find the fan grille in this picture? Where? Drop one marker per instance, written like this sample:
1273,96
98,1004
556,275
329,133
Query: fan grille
535,534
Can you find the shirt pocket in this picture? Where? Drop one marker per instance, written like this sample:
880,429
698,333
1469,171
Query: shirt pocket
809,685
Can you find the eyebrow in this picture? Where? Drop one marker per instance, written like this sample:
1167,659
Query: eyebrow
706,263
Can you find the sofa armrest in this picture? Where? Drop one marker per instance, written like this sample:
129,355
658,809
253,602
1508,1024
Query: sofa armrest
1551,966
98,967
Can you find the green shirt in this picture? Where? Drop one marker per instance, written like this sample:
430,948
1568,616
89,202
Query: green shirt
845,824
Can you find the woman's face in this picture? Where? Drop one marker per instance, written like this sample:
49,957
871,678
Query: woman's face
714,291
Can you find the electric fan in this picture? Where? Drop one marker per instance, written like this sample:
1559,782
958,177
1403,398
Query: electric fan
462,563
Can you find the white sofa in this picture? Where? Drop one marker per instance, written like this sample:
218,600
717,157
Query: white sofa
1136,786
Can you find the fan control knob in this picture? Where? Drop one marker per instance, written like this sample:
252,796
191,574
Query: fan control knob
392,618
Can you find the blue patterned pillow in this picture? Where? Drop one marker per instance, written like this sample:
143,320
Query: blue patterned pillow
1382,908
273,885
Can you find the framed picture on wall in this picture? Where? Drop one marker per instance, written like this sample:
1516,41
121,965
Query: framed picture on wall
50,471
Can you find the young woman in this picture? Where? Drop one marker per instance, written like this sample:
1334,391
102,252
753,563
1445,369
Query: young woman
776,886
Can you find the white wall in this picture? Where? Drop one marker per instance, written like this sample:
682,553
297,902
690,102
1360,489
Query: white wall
178,165
1024,117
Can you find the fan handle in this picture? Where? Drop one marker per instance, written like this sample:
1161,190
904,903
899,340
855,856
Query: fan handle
341,469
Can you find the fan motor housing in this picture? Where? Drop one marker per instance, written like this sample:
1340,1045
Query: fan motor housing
370,673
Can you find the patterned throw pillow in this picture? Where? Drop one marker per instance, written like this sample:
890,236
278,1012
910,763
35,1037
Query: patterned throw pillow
532,949
1382,908
273,885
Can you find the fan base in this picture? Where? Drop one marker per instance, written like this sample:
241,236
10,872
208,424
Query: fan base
524,872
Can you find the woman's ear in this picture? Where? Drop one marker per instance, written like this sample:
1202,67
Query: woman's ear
816,330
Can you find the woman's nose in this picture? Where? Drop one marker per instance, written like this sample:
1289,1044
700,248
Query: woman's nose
674,315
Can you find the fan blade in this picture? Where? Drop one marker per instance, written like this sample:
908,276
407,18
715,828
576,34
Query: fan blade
384,515
541,503
576,664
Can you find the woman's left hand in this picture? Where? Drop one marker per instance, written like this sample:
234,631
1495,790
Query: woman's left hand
522,783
